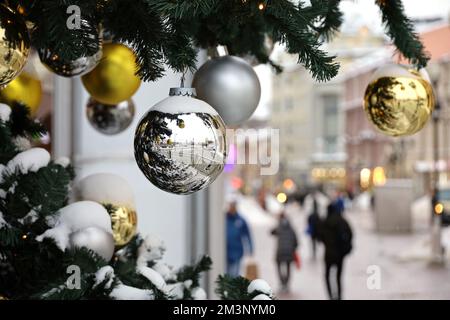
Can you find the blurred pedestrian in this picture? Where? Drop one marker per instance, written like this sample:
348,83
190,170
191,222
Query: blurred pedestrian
239,240
339,202
313,225
336,234
286,247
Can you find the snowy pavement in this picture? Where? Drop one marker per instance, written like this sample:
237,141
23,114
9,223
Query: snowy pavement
402,259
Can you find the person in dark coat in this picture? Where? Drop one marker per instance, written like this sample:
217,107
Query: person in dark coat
313,226
336,234
287,244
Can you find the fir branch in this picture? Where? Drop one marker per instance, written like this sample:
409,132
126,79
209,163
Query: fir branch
44,191
51,34
193,272
293,30
135,22
7,148
22,124
231,288
179,9
401,30
331,20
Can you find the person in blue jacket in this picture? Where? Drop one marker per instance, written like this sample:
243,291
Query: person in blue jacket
239,240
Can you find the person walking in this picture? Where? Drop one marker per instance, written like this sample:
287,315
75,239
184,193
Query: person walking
336,234
313,225
239,240
287,244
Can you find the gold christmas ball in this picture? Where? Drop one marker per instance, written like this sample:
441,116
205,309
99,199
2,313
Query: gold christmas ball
399,100
113,80
123,222
26,89
13,56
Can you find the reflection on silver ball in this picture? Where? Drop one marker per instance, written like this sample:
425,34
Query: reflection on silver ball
229,85
95,239
110,119
73,68
180,144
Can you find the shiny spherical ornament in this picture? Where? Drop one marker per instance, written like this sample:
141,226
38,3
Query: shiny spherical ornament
3,297
180,143
95,239
124,225
13,56
26,89
399,100
229,85
68,69
110,119
114,79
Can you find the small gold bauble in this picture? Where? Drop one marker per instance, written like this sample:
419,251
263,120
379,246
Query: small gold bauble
123,222
13,56
114,79
399,100
25,89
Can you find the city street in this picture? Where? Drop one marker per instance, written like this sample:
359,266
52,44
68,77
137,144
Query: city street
402,259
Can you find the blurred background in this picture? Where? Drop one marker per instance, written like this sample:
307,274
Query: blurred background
326,147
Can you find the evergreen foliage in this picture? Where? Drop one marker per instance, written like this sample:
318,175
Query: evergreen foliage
32,269
168,32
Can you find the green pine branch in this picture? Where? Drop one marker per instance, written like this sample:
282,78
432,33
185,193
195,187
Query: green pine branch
401,30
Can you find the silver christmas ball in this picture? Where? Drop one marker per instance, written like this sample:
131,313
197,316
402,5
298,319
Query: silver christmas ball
95,239
229,85
73,68
110,119
180,143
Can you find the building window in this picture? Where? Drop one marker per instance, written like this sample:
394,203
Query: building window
330,123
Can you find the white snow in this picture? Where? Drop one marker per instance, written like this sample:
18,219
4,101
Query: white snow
106,272
198,294
164,270
152,248
181,104
188,284
22,143
29,218
29,160
63,161
105,188
124,292
175,290
262,297
76,216
261,286
2,169
5,112
153,276
2,221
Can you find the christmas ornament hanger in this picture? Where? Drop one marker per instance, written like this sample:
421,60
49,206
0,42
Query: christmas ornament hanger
164,32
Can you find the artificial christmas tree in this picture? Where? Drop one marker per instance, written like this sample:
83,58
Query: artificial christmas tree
43,239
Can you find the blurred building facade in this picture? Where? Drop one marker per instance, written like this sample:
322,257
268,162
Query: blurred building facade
311,117
401,157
